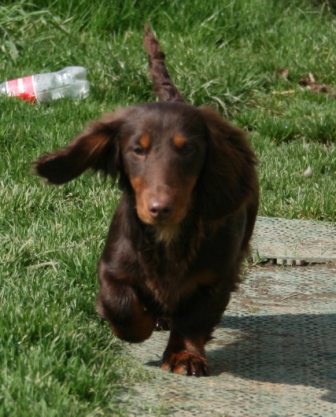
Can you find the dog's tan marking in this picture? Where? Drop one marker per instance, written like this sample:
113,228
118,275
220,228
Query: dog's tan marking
181,196
179,141
145,141
137,184
168,233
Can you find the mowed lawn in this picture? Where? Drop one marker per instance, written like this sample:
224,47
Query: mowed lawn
249,59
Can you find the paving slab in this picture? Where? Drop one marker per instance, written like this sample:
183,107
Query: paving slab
274,351
294,241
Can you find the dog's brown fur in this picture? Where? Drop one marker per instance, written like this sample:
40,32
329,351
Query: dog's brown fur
183,225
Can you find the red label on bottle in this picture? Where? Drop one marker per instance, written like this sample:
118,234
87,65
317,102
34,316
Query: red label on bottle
22,87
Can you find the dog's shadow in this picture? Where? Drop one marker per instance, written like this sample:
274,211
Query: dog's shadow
291,349
294,349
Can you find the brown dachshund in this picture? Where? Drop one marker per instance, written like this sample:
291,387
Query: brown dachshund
182,228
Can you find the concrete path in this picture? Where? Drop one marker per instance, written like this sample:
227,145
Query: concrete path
274,352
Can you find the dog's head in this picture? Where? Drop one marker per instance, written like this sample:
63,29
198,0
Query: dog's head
170,155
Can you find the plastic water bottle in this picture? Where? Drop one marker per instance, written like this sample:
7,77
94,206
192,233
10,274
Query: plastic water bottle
69,82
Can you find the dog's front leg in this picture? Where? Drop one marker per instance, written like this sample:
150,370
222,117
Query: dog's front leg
119,304
191,328
185,355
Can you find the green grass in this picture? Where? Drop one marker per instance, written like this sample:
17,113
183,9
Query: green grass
56,357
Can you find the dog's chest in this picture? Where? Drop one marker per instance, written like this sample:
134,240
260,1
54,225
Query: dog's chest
168,272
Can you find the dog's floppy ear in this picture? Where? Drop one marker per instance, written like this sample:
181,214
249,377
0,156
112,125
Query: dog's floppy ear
228,180
95,148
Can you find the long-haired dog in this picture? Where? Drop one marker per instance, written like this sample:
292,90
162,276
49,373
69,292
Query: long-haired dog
182,228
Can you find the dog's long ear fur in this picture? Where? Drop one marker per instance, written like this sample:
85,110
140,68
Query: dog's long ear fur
229,178
96,148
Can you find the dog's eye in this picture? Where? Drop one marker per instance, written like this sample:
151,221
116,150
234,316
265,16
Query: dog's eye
139,150
187,150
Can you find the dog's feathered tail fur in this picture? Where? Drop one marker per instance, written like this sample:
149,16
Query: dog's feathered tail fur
163,85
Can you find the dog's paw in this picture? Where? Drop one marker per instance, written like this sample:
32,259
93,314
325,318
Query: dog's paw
185,363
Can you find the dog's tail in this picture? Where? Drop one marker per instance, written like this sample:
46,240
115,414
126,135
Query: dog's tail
163,85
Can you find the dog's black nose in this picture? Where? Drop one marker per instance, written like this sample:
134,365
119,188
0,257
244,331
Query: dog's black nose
160,209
